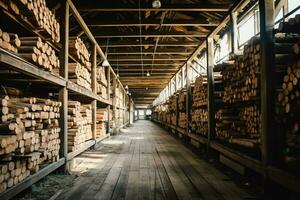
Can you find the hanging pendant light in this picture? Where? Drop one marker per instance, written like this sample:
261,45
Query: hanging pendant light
148,74
105,62
126,87
156,4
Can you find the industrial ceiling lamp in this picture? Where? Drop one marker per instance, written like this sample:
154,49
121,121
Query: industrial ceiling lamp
156,4
148,74
105,62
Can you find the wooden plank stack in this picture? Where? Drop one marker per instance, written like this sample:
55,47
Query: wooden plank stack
101,86
287,48
78,49
9,41
37,14
29,136
101,122
38,52
80,75
79,124
199,113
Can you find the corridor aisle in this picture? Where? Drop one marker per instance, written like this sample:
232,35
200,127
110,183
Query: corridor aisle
145,162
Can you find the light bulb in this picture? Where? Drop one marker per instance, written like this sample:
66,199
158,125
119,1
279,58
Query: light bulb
105,63
156,4
148,74
126,87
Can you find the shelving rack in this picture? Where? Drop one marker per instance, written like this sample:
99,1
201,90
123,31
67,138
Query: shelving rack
264,166
64,87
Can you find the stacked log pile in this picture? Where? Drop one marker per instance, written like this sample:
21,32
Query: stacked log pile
80,75
171,111
238,119
37,14
287,48
79,124
29,136
40,53
182,109
199,114
241,77
239,126
101,122
9,41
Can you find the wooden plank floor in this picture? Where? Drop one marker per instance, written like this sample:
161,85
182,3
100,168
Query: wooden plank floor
145,162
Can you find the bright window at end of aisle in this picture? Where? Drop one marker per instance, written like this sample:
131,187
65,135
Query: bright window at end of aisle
292,4
246,30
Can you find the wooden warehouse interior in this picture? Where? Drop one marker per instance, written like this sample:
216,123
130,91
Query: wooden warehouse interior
149,99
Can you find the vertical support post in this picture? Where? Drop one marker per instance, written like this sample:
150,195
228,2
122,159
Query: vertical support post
63,92
188,96
94,102
175,85
123,110
129,104
114,105
182,77
271,143
233,31
210,84
109,99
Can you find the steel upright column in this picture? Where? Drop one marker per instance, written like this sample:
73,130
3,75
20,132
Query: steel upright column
63,92
210,84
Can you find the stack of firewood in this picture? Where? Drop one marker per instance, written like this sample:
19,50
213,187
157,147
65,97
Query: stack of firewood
101,122
200,92
287,49
171,115
12,172
29,136
182,108
78,49
199,123
40,53
38,14
239,125
9,41
79,124
241,77
199,113
80,75
101,82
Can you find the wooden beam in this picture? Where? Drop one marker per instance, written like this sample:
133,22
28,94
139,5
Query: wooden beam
127,64
161,52
154,70
176,22
203,7
120,44
174,34
144,59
